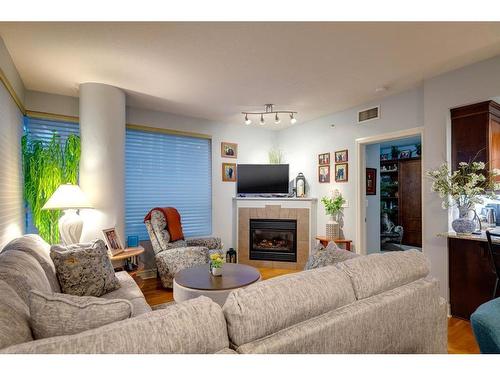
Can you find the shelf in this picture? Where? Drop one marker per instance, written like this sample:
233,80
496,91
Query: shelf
389,198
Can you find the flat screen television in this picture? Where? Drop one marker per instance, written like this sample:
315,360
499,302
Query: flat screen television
262,179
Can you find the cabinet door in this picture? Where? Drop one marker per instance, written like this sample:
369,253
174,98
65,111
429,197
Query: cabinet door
469,136
410,201
471,276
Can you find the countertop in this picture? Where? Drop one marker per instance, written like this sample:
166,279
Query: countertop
471,237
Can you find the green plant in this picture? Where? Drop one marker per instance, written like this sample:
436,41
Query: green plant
466,186
45,167
333,205
275,156
395,152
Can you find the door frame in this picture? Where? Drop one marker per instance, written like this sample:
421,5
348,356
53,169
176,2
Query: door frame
360,145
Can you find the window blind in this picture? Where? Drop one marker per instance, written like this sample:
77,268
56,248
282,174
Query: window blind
41,129
168,170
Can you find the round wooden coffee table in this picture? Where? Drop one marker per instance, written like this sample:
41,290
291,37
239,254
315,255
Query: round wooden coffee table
198,281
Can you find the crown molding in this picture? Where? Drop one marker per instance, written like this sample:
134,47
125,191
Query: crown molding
12,92
167,131
51,116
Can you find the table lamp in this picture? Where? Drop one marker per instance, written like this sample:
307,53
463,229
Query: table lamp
69,198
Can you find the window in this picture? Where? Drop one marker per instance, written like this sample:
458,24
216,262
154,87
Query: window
42,130
168,170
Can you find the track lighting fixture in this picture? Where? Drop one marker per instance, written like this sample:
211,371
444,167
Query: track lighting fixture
269,109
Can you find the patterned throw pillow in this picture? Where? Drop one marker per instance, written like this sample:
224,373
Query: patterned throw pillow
328,256
84,269
55,314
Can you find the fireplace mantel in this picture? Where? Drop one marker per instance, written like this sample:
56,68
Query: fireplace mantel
301,209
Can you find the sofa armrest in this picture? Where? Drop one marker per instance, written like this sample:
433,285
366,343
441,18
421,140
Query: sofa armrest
194,326
212,243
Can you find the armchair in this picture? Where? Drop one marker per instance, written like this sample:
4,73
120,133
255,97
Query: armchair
171,257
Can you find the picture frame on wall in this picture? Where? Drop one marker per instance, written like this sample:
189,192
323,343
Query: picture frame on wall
324,159
324,174
229,172
229,150
371,181
113,241
341,156
341,172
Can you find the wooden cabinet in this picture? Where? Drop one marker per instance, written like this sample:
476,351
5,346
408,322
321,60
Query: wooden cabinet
475,134
410,201
471,276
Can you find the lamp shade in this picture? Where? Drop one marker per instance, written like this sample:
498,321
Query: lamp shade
67,196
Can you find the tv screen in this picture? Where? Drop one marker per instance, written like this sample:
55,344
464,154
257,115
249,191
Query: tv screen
262,178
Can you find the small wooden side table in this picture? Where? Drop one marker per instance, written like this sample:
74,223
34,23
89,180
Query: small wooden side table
324,241
130,255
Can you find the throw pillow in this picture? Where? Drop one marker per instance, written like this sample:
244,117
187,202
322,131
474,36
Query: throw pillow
56,314
84,269
327,256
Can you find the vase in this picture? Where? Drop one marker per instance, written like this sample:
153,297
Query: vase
463,225
332,228
216,271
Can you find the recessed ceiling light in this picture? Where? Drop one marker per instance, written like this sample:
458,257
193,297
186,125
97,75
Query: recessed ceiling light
381,89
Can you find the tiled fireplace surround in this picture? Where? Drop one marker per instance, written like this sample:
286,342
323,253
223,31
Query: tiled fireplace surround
286,209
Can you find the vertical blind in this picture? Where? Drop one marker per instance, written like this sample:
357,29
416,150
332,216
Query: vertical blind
38,129
168,170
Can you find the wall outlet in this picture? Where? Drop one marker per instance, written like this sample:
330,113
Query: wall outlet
346,204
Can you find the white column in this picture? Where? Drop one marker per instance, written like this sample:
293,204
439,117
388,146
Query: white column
102,165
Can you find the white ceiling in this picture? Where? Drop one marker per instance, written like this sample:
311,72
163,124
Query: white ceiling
217,70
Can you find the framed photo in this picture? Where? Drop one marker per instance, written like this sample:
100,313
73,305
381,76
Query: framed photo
341,172
371,181
229,150
113,241
384,157
405,154
324,159
341,156
229,172
324,173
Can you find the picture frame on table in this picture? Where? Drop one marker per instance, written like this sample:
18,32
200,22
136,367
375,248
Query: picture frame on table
115,246
341,156
324,159
341,172
371,181
229,150
324,174
229,172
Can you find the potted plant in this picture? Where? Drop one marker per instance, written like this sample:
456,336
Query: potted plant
216,262
464,188
333,207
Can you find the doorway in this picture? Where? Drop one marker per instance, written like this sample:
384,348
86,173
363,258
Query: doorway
389,192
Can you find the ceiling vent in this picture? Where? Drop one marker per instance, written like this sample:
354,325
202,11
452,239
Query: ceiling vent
369,114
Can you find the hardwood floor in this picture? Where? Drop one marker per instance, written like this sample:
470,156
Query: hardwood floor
460,337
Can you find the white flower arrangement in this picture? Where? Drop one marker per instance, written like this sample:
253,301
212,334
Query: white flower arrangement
466,186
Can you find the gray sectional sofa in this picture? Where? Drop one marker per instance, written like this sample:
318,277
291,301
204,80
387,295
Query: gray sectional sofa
374,304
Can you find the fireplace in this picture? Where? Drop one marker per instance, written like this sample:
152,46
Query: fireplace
273,239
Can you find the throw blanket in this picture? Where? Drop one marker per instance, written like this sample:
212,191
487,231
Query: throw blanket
173,219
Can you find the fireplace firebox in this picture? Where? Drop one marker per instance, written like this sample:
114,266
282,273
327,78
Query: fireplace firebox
273,239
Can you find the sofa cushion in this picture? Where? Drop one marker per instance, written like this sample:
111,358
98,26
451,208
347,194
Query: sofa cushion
266,307
84,269
23,273
130,291
327,256
194,326
14,318
55,314
376,273
40,250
